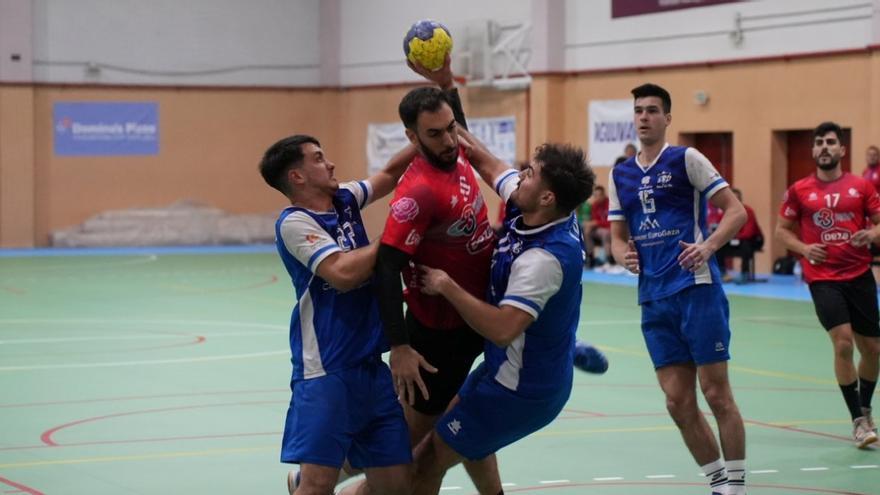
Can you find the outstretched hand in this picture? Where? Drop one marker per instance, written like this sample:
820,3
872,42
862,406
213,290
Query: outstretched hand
441,77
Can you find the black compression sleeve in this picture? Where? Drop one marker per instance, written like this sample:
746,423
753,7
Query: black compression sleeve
389,262
457,110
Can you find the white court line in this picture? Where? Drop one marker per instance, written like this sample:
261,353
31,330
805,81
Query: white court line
865,466
226,357
100,338
450,488
815,469
608,478
659,476
550,482
750,318
508,484
140,260
763,471
214,323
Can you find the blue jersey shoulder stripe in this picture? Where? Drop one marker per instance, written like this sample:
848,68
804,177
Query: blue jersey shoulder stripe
713,185
366,193
523,300
503,180
317,254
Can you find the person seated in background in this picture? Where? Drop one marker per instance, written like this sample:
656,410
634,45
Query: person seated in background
598,230
747,241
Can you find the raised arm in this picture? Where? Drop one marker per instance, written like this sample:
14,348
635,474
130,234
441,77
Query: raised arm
383,182
488,165
444,78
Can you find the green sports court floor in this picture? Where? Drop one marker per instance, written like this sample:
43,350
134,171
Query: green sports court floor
155,372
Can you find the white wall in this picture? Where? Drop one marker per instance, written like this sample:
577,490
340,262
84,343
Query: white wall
285,42
372,31
169,42
770,27
15,41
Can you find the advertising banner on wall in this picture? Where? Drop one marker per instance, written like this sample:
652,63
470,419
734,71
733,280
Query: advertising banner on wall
106,128
624,8
384,140
611,128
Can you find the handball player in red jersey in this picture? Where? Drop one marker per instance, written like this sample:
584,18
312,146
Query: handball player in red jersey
439,218
830,208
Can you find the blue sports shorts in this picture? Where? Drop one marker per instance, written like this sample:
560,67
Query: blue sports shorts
489,416
690,326
351,414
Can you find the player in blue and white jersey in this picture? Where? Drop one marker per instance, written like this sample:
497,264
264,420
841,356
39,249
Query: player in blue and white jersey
343,404
657,213
531,317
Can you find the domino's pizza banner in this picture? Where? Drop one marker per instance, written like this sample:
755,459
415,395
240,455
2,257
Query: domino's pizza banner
106,128
384,140
611,128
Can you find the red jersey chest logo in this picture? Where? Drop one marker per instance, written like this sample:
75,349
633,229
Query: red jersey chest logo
467,221
833,214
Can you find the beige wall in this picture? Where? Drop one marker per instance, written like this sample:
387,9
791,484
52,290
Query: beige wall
210,143
212,139
17,166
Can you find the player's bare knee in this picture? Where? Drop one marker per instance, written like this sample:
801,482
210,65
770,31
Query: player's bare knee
843,349
682,408
720,400
869,348
426,465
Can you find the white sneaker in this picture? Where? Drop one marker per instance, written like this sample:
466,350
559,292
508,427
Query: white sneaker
862,433
866,412
616,270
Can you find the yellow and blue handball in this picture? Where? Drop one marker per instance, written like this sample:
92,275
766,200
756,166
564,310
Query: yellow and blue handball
427,42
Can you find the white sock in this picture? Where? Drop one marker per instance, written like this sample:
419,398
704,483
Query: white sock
717,475
736,477
344,476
